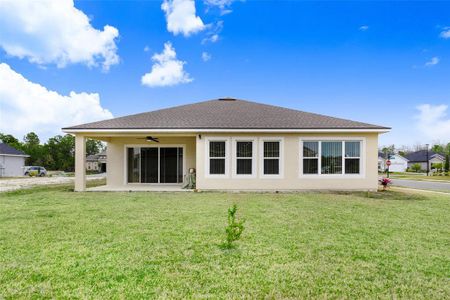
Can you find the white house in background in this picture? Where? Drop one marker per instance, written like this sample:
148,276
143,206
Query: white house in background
398,162
96,162
12,161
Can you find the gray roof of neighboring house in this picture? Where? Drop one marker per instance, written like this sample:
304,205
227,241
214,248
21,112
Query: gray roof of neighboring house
227,113
8,150
93,157
421,156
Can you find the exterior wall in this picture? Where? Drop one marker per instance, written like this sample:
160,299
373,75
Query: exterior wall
291,179
116,173
11,166
423,165
92,166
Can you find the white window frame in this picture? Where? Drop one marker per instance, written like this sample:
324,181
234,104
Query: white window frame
253,140
319,150
362,157
125,162
261,158
227,157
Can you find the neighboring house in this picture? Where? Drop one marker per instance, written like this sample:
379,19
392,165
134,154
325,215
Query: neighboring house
12,161
233,145
398,162
96,162
420,157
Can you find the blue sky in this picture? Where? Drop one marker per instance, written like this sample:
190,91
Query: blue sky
379,62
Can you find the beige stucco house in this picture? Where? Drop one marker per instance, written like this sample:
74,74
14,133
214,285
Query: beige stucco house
233,145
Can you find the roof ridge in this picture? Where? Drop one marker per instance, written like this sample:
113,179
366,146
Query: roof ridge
306,112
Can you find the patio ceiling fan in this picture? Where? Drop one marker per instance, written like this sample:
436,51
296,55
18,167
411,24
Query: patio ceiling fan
150,139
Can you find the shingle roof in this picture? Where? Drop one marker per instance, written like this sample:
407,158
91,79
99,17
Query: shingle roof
92,157
7,149
227,114
421,156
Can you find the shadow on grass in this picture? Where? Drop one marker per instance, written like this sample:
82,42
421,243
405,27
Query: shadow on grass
230,250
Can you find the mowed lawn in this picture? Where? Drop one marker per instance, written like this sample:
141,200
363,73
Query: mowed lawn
55,243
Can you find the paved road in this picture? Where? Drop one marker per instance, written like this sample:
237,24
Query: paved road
422,185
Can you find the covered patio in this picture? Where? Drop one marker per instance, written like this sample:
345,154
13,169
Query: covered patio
139,161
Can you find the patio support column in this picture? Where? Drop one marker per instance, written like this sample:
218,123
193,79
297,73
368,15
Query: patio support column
80,163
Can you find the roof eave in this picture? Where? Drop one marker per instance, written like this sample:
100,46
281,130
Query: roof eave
201,130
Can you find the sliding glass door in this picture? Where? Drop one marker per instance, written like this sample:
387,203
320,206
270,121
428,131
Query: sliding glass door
149,165
155,165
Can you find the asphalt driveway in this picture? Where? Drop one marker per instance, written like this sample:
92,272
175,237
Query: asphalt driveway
422,185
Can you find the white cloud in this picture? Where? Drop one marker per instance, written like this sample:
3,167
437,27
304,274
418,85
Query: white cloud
206,56
211,39
433,121
223,5
166,70
181,18
445,34
55,32
363,27
432,62
27,106
213,34
146,48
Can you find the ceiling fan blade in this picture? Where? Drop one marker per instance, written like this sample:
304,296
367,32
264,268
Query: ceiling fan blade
152,139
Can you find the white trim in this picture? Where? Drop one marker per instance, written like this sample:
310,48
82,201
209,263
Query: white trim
362,158
227,157
254,141
261,158
125,162
153,130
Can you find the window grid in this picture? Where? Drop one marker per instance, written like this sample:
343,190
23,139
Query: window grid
244,157
271,158
311,156
354,156
217,157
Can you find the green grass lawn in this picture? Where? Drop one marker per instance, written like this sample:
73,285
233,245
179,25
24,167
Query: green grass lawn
55,243
421,177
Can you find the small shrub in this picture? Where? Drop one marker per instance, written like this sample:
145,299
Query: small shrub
416,167
234,229
385,182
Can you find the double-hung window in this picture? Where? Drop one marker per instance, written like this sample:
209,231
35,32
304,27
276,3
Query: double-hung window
310,157
217,157
331,157
244,163
272,150
352,157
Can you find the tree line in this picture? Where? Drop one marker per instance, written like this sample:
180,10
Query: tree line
442,149
58,153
